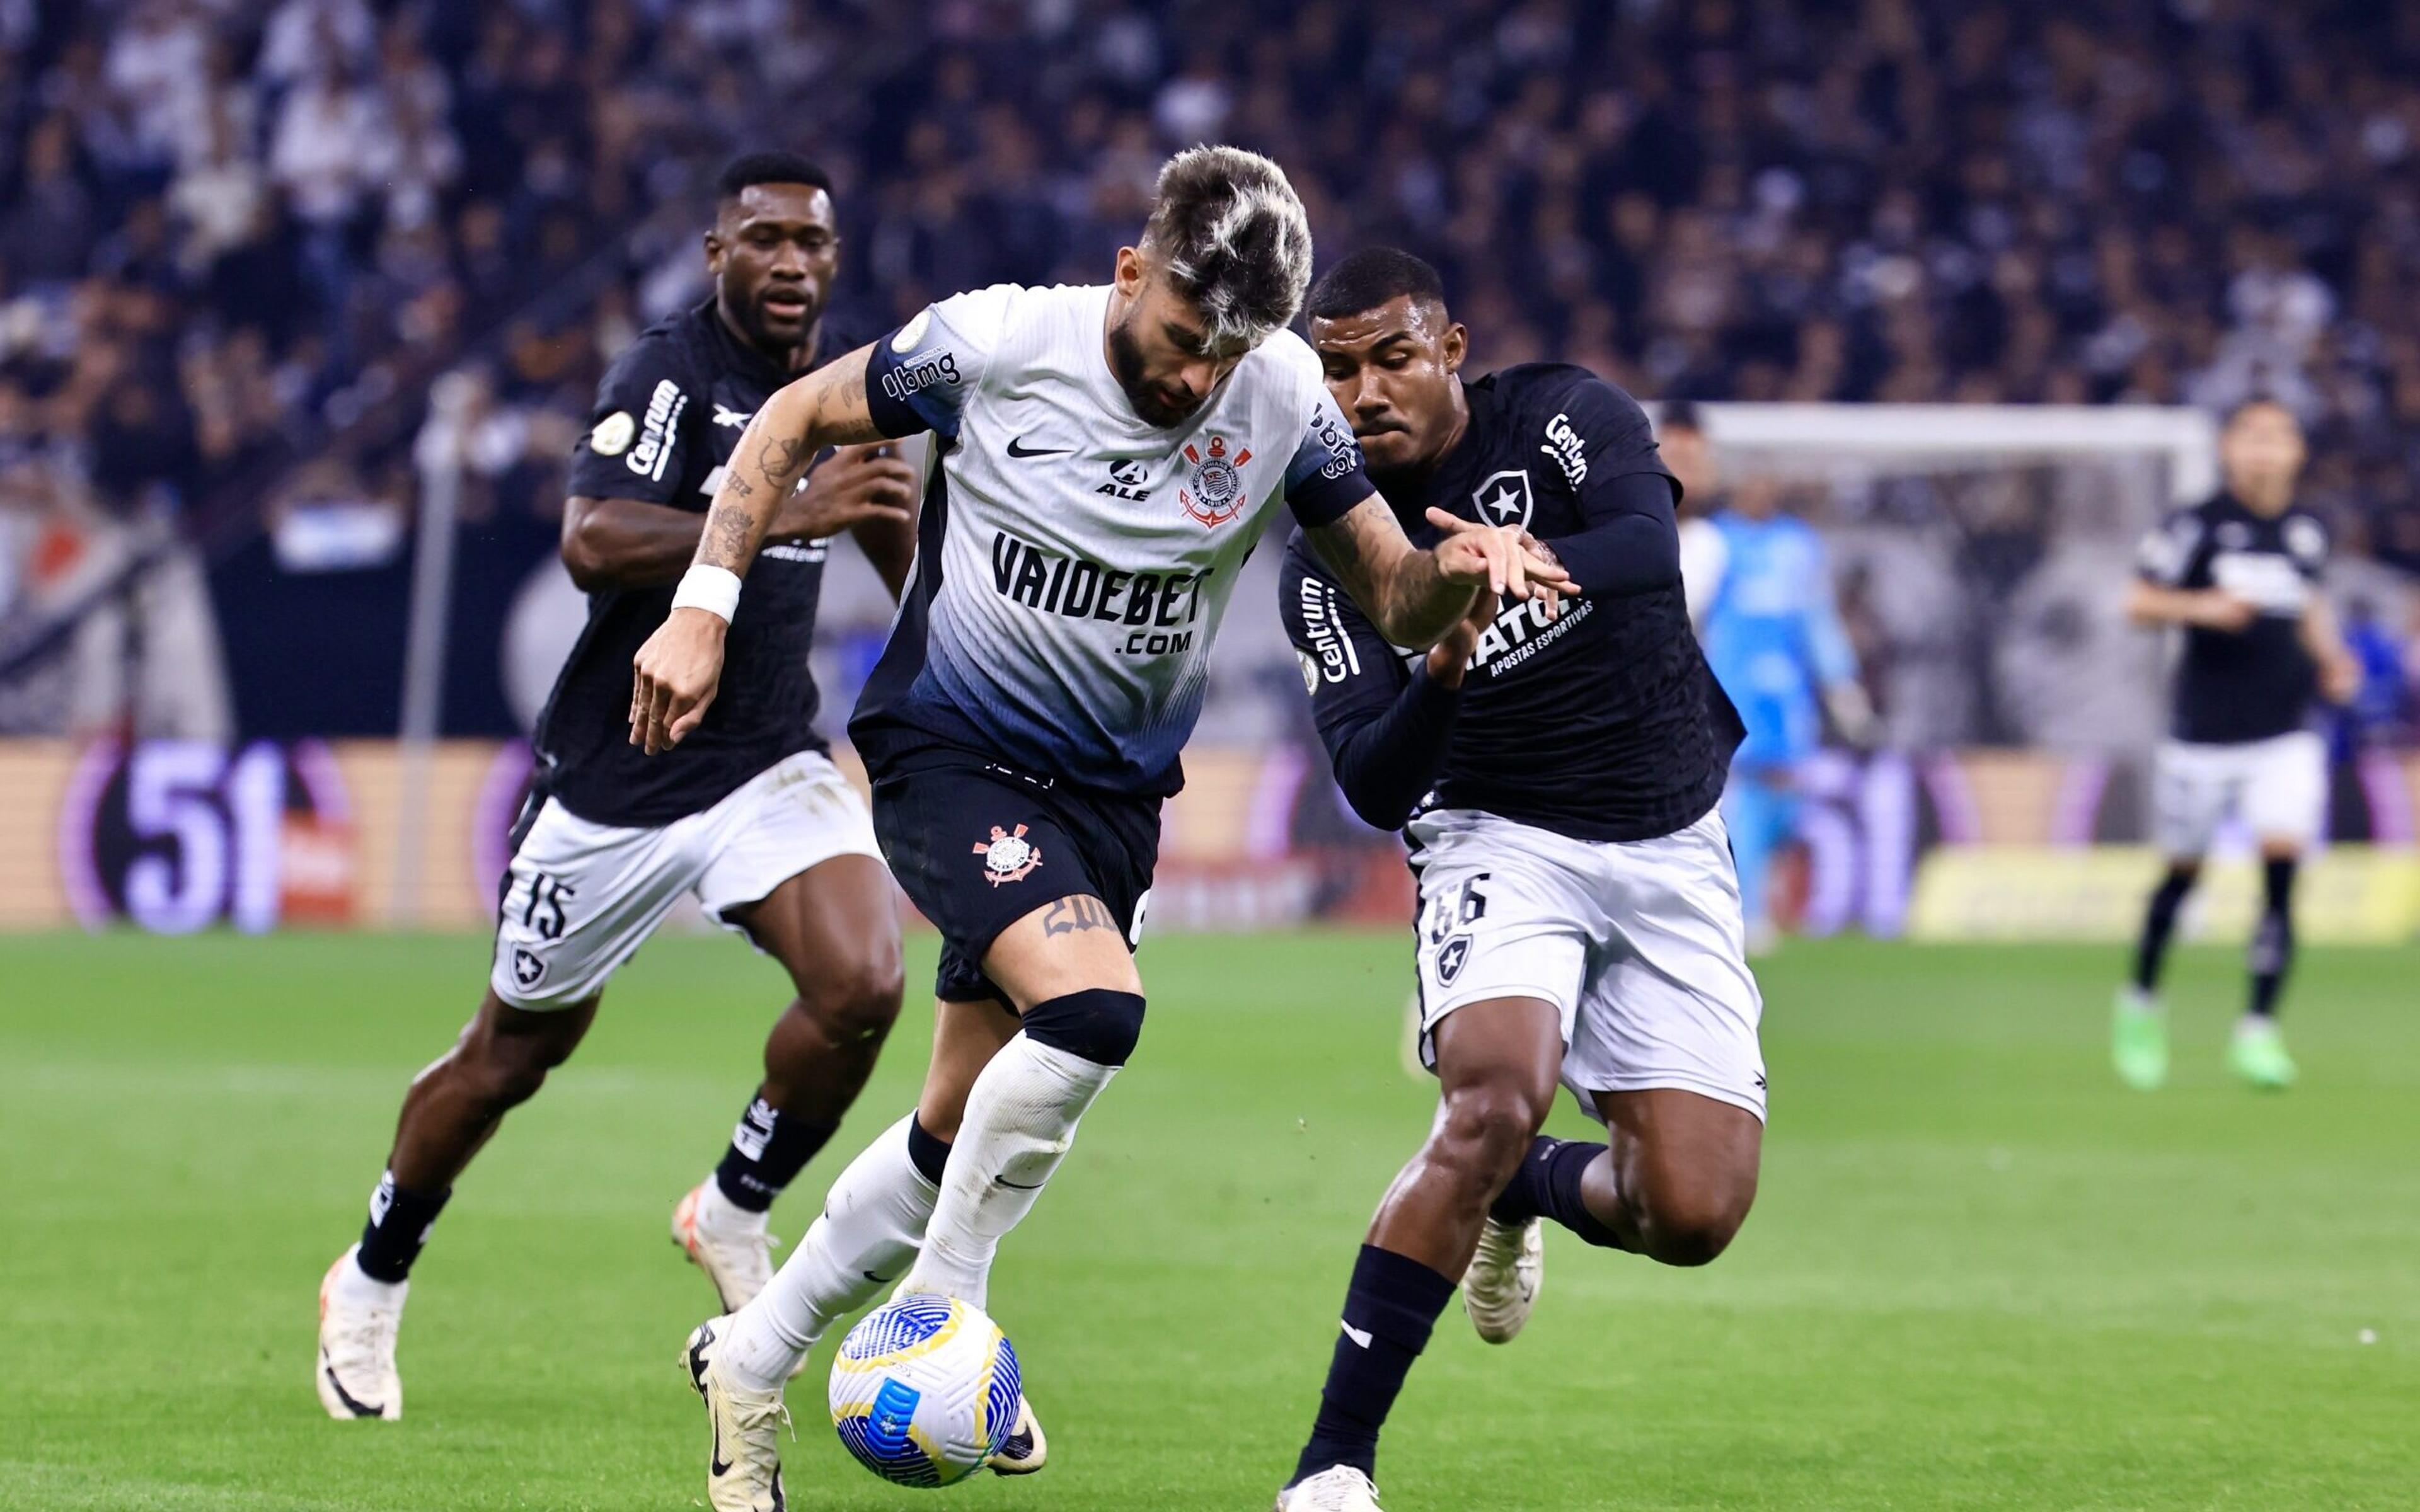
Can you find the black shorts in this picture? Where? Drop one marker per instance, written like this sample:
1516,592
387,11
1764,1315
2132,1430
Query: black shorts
977,846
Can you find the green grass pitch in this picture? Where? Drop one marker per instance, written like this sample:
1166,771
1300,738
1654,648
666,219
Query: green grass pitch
1979,1274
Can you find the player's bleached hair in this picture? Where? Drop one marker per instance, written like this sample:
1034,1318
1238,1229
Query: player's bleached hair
1231,236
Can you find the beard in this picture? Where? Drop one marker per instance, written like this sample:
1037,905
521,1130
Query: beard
1149,400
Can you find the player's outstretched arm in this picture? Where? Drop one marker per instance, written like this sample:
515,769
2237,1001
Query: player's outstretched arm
2209,608
676,671
1415,596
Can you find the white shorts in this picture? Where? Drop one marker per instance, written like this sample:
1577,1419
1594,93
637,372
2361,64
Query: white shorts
580,897
1638,945
2277,787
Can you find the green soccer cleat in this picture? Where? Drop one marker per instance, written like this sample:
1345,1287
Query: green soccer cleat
2138,1041
2257,1055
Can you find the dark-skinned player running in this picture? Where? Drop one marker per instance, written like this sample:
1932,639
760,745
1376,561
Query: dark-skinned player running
750,817
1556,779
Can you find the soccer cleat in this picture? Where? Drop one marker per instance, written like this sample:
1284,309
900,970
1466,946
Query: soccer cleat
358,1318
2138,1041
1026,1450
2258,1053
743,1471
1337,1488
738,1259
1501,1285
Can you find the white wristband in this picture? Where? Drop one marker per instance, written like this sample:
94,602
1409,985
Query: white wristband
715,590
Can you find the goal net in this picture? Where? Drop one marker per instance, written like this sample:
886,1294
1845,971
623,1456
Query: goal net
1981,553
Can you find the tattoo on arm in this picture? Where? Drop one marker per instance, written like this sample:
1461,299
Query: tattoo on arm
1398,587
1070,915
827,408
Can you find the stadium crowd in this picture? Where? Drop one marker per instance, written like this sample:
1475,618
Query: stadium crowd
238,237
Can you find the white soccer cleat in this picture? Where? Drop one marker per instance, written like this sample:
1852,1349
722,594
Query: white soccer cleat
1026,1450
1501,1285
358,1319
743,1472
1337,1488
734,1248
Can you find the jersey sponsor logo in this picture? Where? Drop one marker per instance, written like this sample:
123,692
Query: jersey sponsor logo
1563,445
1008,856
735,419
613,435
1331,656
1214,494
1159,608
1521,631
923,373
2305,540
1126,479
1017,448
655,448
1504,497
2266,580
1343,452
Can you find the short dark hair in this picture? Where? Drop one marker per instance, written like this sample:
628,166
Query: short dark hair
1681,414
2241,407
1231,234
1369,279
754,168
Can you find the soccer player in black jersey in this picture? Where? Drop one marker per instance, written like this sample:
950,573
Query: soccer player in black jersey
750,816
1556,779
2240,575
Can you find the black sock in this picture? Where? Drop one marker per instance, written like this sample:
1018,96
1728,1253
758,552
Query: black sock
1547,1185
398,1226
2158,922
928,1151
768,1150
2273,941
1390,1310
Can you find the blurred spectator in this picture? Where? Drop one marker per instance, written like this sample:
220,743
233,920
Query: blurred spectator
328,201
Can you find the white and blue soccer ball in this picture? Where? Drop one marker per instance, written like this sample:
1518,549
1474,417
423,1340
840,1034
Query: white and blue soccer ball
924,1390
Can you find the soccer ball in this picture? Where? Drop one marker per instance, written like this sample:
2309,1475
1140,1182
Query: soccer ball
924,1390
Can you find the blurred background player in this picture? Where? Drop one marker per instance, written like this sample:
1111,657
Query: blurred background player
750,817
1579,921
1681,438
2240,574
1109,456
1765,605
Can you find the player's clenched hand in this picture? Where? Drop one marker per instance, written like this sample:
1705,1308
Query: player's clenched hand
674,678
856,484
1493,558
2340,679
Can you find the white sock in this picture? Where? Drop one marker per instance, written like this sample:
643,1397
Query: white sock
871,1225
357,1287
717,1213
1020,1118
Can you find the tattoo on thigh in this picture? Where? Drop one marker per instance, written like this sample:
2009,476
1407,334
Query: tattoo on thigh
1068,915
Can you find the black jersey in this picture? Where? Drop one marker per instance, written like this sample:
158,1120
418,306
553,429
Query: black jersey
668,413
1602,724
2255,684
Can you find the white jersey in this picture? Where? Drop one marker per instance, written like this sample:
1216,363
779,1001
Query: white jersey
1074,561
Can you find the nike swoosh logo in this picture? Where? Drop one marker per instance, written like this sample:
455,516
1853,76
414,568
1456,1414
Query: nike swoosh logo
1017,1186
1017,448
877,1280
352,1404
1360,1337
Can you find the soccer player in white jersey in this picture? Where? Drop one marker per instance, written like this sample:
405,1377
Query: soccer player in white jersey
1107,457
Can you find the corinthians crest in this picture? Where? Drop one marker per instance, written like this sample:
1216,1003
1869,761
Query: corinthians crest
1215,493
1009,856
